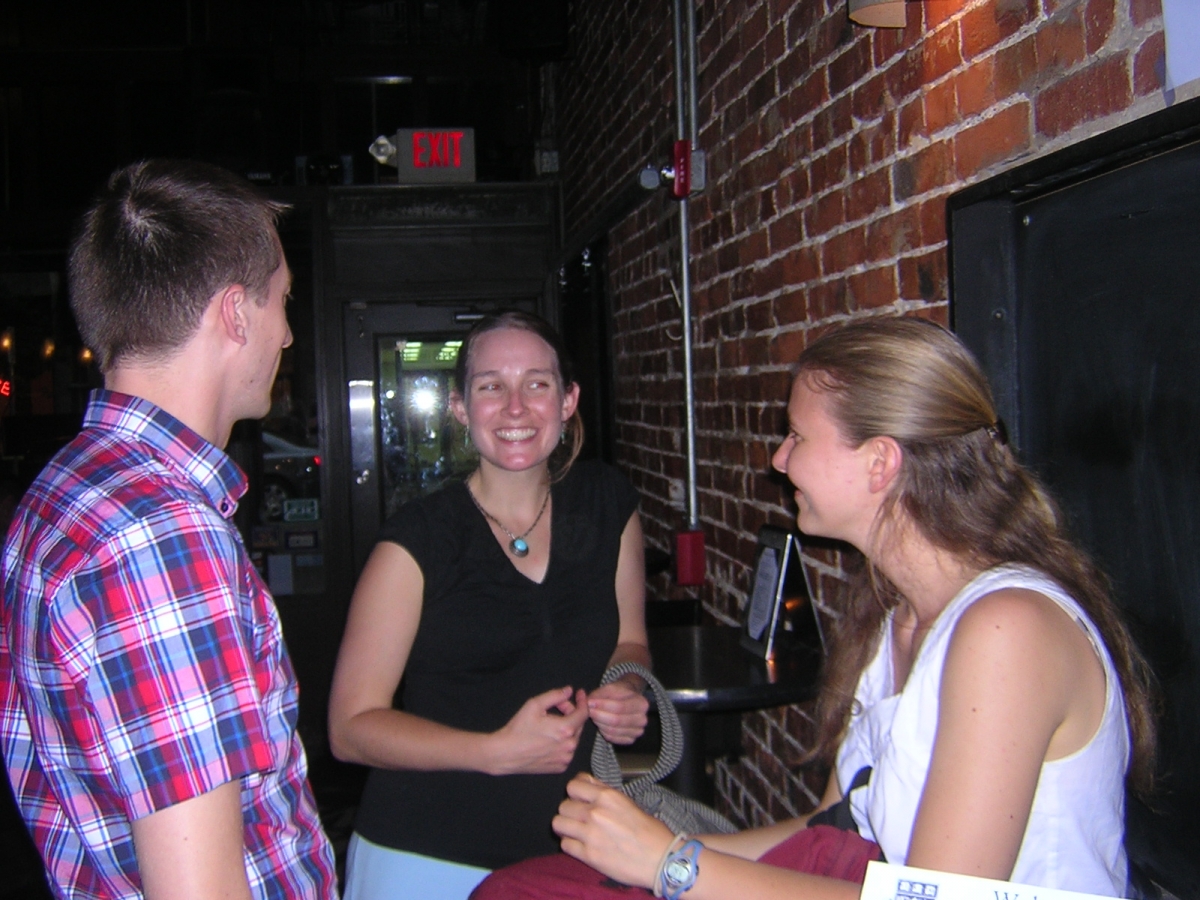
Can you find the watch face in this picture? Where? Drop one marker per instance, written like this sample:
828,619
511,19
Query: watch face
678,870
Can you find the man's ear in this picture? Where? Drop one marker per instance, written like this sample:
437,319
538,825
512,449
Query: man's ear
232,302
886,456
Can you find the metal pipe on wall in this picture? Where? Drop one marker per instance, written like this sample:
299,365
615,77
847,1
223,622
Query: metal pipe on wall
686,128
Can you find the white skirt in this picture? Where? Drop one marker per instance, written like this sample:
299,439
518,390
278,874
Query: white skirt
381,873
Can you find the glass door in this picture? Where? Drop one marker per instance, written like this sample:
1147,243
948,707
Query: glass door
404,440
421,444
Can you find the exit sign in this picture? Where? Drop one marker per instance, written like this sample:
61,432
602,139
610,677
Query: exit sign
435,155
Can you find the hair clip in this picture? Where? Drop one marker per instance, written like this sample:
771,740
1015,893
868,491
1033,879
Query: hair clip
997,432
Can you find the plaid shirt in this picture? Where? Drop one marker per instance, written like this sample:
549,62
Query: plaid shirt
142,661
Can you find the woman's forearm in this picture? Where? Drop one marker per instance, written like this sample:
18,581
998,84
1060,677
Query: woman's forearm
392,739
754,842
723,876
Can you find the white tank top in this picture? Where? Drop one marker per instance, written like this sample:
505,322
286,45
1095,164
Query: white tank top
1075,836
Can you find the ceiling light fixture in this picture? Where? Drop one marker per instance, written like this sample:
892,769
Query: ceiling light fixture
878,13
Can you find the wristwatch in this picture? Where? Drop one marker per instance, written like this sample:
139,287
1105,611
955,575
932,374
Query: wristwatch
680,869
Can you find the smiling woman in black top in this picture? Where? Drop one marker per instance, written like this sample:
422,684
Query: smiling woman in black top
500,600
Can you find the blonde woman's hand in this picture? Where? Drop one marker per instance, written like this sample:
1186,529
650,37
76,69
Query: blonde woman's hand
605,829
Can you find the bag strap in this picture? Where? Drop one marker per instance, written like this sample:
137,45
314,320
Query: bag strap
604,758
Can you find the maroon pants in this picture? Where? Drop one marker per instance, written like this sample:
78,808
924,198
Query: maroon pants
817,850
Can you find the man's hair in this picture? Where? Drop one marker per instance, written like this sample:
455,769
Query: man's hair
159,241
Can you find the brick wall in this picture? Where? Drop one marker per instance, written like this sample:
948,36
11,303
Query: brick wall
832,149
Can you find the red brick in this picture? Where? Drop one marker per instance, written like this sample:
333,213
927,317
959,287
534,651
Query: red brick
849,66
801,266
800,20
858,151
828,299
807,96
995,139
890,42
911,122
867,194
924,277
841,251
829,169
906,76
1142,11
975,88
1149,65
932,166
941,53
1061,43
941,107
1099,17
893,234
1096,91
752,248
826,214
752,28
1015,67
869,98
786,347
990,23
933,222
775,46
791,308
786,231
873,288
793,66
882,138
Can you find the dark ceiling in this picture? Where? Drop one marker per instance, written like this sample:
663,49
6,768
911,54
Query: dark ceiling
278,90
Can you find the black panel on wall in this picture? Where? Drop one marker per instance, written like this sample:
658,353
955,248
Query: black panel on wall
1080,293
535,30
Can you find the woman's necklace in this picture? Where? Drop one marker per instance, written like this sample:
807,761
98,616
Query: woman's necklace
517,544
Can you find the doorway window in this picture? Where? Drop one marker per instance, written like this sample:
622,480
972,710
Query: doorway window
422,445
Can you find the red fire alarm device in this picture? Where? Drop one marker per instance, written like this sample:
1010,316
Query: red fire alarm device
681,162
689,558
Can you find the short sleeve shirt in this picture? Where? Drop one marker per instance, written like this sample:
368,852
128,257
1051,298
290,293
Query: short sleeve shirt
142,661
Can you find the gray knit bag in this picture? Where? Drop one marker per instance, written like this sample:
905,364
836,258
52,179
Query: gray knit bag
681,814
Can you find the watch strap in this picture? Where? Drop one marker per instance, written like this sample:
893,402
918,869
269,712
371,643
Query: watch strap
673,888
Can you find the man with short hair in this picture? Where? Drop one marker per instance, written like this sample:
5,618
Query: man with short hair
147,703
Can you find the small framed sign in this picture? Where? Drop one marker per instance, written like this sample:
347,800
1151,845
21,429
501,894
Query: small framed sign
303,509
779,606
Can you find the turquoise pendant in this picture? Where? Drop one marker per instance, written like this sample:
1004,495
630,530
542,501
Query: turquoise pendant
518,547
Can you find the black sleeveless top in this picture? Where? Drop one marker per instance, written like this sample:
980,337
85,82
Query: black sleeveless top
488,640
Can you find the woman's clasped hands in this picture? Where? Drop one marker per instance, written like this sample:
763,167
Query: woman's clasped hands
542,736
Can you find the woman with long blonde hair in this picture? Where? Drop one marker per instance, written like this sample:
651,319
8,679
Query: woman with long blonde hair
983,704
